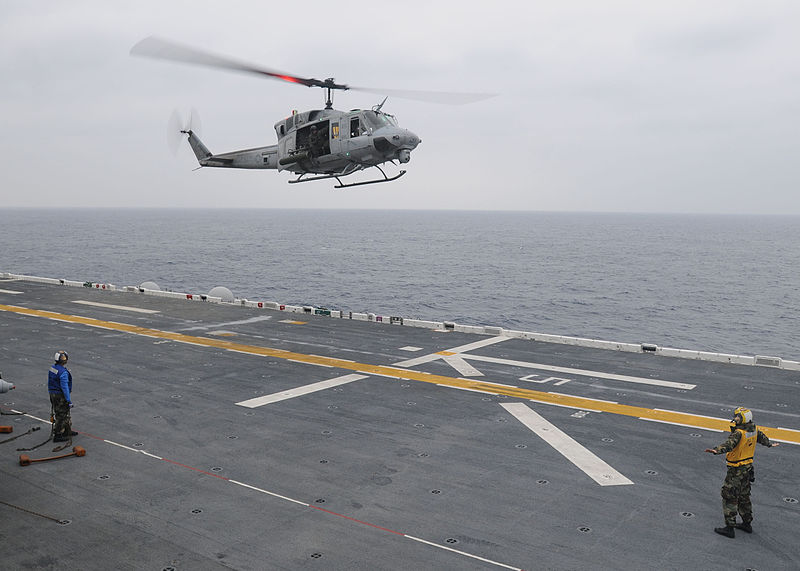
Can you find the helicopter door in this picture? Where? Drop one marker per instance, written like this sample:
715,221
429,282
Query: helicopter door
353,129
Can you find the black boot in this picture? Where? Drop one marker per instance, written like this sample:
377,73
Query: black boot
60,438
727,531
745,527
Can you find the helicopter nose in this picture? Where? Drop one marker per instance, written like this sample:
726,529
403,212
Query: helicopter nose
389,143
406,140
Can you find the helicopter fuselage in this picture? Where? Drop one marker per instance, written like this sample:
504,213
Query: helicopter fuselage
322,142
326,141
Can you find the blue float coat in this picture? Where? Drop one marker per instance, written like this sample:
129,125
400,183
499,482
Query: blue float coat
59,380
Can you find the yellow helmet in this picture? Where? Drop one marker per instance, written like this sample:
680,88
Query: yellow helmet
742,415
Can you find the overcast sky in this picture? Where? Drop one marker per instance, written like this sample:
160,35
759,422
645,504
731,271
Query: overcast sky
602,106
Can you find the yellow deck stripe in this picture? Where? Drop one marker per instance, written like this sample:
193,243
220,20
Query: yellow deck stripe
785,435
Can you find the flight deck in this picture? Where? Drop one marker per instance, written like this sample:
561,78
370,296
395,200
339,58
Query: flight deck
233,435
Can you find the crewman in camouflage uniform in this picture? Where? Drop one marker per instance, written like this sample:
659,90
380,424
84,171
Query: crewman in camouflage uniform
740,447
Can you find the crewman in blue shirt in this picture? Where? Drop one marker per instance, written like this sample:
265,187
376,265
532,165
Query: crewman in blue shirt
59,385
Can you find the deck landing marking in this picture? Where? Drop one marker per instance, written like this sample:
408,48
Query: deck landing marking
581,403
110,306
454,351
220,325
11,291
462,366
591,464
410,348
582,372
300,391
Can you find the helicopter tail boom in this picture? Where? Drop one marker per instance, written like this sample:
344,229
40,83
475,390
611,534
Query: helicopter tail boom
257,158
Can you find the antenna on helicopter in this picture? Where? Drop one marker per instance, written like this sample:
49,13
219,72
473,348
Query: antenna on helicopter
377,108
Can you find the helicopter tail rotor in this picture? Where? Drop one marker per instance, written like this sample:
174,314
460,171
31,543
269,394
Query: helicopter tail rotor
176,126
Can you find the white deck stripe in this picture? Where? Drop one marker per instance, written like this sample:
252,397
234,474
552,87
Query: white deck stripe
110,306
677,424
11,291
464,553
273,494
300,391
460,349
582,372
584,459
466,389
478,344
417,361
227,323
462,366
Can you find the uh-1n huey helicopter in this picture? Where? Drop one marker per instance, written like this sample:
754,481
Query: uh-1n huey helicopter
317,144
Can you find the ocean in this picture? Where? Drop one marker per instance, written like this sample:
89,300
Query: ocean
707,282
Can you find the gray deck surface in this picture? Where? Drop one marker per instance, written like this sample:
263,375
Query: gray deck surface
178,476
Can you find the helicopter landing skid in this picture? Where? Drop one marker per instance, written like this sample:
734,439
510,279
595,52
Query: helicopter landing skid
342,185
375,181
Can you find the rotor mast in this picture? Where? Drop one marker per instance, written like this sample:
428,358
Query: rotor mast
330,85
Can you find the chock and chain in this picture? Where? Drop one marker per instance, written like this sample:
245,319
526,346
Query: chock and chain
25,460
30,430
58,521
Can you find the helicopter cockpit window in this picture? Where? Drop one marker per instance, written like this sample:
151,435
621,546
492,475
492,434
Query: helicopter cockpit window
355,127
377,120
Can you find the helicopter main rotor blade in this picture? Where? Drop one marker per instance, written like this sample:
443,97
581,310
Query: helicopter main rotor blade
444,97
157,48
154,47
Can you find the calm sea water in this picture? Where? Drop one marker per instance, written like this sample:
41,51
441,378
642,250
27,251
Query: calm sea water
719,283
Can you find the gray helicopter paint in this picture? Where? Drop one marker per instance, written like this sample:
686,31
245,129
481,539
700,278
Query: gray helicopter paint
347,151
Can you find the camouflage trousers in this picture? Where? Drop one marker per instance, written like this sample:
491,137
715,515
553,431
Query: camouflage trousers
736,494
63,421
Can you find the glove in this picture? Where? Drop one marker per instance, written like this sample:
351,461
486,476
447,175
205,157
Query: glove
70,405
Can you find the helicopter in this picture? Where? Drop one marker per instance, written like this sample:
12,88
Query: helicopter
317,144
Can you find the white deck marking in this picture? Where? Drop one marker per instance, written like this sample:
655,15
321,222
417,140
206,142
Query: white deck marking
466,389
409,348
677,424
462,552
110,306
11,291
460,349
584,459
582,372
300,391
220,325
462,366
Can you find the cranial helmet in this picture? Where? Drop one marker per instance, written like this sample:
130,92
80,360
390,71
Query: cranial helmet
742,415
60,356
